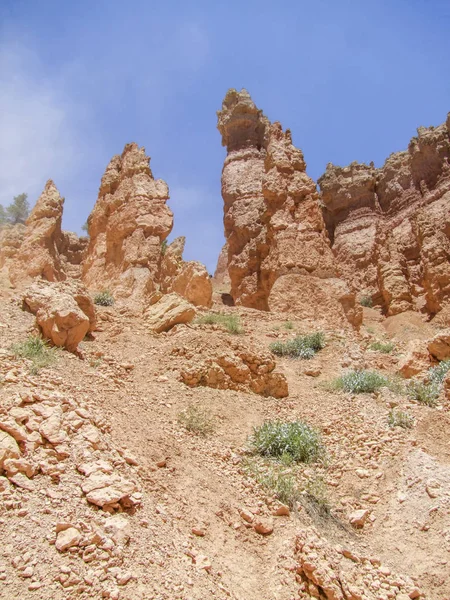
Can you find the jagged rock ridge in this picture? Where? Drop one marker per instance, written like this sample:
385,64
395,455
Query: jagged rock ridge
390,227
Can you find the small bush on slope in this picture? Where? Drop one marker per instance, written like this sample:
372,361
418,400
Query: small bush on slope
399,418
360,382
37,350
428,393
232,323
196,420
104,298
305,346
385,347
366,301
278,439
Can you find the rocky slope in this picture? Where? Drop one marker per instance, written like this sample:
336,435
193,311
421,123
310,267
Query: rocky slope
104,493
276,236
390,227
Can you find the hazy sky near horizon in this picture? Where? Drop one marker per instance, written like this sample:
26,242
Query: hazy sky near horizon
78,80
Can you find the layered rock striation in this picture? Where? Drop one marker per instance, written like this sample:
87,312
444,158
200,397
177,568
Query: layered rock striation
275,232
390,227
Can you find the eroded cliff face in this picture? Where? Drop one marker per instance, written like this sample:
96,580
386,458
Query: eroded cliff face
127,226
274,227
390,227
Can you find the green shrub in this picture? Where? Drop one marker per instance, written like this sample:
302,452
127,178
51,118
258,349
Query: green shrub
385,347
360,382
366,301
424,393
288,325
196,420
399,418
36,350
428,392
104,298
164,246
300,347
436,375
232,323
277,438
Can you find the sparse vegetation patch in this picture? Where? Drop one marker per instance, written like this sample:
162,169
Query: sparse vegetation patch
304,347
36,350
384,347
104,298
232,323
360,382
366,301
428,392
296,439
399,418
197,420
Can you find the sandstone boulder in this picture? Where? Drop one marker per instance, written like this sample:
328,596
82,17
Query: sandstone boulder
439,346
8,449
170,310
416,359
64,311
220,361
188,279
108,490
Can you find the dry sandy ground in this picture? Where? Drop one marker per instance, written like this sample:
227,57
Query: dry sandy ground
187,539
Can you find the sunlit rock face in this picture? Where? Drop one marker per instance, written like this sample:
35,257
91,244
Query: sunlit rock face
127,226
390,227
273,221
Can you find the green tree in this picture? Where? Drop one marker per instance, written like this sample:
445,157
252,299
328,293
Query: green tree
18,210
3,216
85,227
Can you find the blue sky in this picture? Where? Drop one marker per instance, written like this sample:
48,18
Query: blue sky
352,80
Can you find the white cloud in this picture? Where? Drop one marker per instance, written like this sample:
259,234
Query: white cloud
38,125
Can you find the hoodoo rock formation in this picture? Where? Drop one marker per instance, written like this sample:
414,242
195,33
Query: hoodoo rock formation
38,255
127,227
40,249
390,227
276,236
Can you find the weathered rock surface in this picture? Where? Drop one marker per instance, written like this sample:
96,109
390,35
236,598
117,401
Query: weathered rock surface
337,574
64,311
8,449
439,346
38,255
188,279
416,359
221,276
127,226
390,227
40,249
273,222
226,363
170,310
11,238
